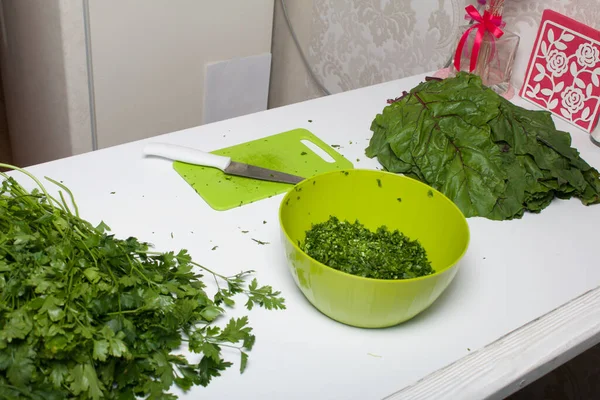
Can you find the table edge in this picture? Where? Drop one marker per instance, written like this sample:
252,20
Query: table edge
517,358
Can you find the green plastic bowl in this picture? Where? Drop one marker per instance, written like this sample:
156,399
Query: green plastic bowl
375,198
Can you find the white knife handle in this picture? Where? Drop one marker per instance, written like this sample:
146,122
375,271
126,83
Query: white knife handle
187,155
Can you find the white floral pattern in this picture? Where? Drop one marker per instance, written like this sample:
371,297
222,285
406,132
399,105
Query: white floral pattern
587,55
364,42
565,74
573,100
355,43
557,63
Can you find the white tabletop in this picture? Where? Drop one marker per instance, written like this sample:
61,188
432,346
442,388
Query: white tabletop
513,273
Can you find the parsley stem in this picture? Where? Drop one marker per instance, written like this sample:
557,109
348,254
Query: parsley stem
64,202
210,271
127,311
69,192
4,385
30,175
133,267
154,253
224,345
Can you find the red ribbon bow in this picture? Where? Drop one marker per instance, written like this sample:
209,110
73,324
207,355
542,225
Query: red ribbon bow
489,23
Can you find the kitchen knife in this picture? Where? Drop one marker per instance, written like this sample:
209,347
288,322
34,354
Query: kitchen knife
225,164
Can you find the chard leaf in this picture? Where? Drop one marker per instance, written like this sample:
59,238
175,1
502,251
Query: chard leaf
492,158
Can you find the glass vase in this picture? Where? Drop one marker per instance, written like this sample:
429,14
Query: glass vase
496,58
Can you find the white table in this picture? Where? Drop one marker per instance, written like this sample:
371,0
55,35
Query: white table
499,325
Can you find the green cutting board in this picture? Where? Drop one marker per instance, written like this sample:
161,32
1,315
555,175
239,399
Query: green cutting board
283,152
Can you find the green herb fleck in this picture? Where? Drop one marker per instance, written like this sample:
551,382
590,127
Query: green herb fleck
303,153
399,199
260,242
245,231
379,182
336,146
429,193
113,192
214,248
310,120
354,249
171,235
264,222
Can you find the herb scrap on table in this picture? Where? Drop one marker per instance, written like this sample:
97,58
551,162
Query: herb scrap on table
84,314
260,241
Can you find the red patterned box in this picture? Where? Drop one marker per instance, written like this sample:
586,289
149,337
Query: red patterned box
563,75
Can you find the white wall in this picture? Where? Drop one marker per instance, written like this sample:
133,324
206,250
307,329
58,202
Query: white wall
149,61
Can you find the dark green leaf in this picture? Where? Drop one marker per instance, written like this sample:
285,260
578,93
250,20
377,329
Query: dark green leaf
491,157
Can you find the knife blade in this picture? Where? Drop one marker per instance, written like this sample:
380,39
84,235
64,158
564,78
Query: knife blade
198,157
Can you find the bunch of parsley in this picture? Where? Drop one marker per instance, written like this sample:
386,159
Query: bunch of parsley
86,315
